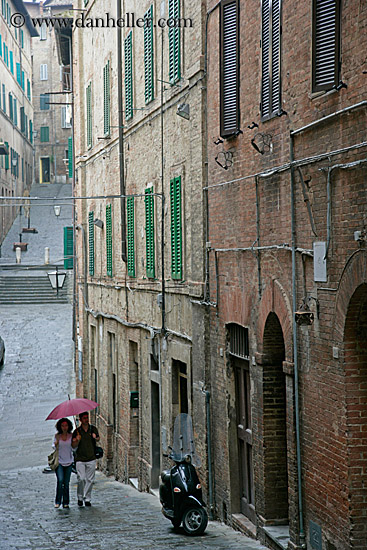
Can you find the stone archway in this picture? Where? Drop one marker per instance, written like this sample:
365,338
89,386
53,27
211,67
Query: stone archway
274,423
355,367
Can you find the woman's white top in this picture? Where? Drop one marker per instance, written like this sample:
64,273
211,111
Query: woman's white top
65,451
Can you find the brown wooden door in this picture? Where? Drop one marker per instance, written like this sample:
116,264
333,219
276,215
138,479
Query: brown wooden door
244,438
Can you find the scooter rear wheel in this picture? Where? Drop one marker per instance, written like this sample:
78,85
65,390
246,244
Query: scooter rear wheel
194,521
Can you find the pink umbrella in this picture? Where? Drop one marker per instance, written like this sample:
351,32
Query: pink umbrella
72,407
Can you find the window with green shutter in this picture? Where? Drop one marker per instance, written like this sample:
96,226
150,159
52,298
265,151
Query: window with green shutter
106,99
91,242
149,232
89,115
44,102
176,228
31,131
68,247
70,156
109,239
128,76
130,237
148,55
174,39
7,157
45,134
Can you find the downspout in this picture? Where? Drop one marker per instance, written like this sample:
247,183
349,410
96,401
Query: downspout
210,474
163,201
121,136
70,38
295,351
258,235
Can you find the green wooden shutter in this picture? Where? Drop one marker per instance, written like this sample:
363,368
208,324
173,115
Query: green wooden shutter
91,242
70,156
31,131
45,133
89,115
130,237
109,239
149,232
176,228
174,39
148,55
106,99
68,247
128,76
7,157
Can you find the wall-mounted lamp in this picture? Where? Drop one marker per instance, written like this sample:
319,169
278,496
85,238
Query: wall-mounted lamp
183,110
98,223
57,210
14,162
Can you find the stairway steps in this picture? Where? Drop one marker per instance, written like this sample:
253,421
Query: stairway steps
31,290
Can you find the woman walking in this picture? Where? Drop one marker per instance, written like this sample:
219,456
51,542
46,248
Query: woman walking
62,442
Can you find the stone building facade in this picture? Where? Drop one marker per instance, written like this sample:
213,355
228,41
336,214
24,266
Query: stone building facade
139,319
16,111
287,234
52,109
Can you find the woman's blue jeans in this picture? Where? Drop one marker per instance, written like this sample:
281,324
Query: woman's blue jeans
63,474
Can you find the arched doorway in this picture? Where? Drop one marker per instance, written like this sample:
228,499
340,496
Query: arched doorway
355,365
274,424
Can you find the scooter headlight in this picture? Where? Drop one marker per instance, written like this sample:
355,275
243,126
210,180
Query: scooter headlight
177,490
188,458
198,486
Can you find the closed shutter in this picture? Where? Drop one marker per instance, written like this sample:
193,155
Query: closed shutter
22,120
106,99
229,85
7,157
149,232
44,102
19,76
109,239
28,89
11,62
148,55
31,131
91,242
128,76
176,228
326,44
89,114
271,60
15,114
70,156
43,72
68,247
130,237
45,134
11,106
174,38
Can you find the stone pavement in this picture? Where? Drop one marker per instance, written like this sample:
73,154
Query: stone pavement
49,227
37,375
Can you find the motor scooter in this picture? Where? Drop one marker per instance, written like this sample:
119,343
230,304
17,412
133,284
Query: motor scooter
180,490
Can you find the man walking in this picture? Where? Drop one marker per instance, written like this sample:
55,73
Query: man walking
85,438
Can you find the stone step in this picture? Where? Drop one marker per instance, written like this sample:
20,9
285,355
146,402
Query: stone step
31,289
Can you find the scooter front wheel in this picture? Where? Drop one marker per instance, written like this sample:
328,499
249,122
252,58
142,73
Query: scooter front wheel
194,521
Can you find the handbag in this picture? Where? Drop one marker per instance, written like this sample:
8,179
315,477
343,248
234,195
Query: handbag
53,459
98,452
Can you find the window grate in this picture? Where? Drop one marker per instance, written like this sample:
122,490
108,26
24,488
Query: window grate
238,341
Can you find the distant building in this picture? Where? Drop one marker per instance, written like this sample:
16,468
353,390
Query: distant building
52,121
16,109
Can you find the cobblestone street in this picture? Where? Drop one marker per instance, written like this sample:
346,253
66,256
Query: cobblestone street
36,376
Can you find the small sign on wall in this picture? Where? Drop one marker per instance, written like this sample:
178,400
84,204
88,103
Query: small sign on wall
319,262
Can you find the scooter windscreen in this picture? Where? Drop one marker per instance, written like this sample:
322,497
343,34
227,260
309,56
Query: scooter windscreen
183,441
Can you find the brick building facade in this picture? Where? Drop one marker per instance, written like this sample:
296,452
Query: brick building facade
16,111
286,194
138,328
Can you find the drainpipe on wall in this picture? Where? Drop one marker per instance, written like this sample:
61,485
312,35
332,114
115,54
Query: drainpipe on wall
210,473
302,538
121,136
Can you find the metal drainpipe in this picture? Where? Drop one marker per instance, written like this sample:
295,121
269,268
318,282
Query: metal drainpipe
258,234
295,350
163,201
121,136
210,473
73,181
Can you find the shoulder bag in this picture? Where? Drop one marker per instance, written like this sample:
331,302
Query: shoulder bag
53,459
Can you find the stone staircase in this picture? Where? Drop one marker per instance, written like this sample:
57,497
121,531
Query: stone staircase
31,289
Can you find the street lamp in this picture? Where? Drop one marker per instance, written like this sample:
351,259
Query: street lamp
57,210
57,278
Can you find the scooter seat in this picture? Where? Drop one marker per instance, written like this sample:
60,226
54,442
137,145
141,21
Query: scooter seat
165,476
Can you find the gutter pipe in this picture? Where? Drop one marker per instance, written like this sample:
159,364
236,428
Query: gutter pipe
121,136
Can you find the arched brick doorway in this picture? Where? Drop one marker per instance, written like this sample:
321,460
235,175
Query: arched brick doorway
274,423
355,364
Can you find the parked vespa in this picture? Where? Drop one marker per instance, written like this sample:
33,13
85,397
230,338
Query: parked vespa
180,491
